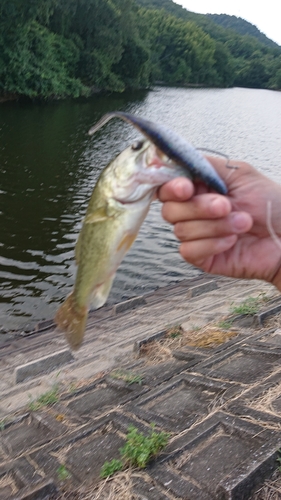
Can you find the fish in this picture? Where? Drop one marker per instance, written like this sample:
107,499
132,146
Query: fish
173,145
118,205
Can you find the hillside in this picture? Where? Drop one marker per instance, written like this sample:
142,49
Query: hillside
242,27
53,49
207,22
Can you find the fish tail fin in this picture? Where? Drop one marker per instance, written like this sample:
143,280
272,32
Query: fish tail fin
72,320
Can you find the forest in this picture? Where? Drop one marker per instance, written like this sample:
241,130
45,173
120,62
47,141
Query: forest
53,49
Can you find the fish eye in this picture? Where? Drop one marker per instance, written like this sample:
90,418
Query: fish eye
137,145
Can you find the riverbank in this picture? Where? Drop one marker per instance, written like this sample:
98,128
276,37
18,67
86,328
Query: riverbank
210,397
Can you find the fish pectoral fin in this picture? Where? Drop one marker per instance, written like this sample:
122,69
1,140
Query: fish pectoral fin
98,215
110,210
100,293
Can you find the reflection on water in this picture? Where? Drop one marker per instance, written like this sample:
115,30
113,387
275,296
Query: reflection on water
49,165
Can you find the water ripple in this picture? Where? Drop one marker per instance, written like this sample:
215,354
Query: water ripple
45,188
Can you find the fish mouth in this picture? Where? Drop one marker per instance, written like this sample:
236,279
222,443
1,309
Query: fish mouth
155,158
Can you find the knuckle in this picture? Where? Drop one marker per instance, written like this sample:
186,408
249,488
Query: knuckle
166,212
180,230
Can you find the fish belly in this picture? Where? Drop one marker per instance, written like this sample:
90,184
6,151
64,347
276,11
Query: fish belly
102,247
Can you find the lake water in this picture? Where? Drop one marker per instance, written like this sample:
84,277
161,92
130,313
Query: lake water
49,166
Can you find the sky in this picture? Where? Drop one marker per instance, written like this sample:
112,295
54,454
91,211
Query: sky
266,15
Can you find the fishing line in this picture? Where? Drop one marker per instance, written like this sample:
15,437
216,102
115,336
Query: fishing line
227,165
269,225
218,153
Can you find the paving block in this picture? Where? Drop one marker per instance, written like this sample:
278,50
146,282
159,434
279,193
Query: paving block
150,338
147,489
84,452
100,397
129,304
179,403
263,418
197,290
260,318
242,364
42,365
262,403
44,490
7,484
16,477
222,458
272,336
31,431
154,375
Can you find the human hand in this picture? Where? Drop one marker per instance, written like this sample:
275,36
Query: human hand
227,235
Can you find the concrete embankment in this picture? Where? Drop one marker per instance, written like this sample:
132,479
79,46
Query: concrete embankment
65,414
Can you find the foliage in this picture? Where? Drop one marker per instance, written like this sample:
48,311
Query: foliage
60,48
127,376
241,26
47,399
63,473
250,306
137,451
42,63
225,324
109,468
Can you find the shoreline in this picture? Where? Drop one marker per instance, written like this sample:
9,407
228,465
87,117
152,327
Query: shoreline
60,409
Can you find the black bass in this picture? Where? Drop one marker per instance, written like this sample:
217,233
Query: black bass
117,208
173,145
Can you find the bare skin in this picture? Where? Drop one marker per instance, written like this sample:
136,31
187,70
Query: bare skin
227,235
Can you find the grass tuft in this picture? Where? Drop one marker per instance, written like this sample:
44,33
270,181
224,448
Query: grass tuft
250,306
63,473
127,376
47,399
137,451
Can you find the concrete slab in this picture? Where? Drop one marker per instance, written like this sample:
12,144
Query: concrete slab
221,458
184,400
44,490
242,364
17,476
212,454
99,399
153,375
42,365
31,431
84,452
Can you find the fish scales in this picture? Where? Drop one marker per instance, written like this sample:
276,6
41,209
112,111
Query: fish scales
118,205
